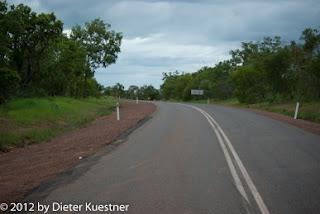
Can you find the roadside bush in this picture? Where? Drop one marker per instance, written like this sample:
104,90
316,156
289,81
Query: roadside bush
249,84
9,82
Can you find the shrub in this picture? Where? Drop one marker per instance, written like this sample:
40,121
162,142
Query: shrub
9,82
249,84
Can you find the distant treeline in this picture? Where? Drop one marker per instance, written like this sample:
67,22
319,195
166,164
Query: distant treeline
263,71
38,59
146,92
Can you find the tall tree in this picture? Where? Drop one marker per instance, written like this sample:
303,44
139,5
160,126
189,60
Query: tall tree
133,92
31,35
101,43
148,92
4,38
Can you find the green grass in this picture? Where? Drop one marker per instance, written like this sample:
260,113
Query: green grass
32,120
307,111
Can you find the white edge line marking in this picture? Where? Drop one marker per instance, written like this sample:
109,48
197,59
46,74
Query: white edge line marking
263,208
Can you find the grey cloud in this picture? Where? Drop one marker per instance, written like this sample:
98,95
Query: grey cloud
192,33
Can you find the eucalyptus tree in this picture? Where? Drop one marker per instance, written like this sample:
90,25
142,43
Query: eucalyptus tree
31,35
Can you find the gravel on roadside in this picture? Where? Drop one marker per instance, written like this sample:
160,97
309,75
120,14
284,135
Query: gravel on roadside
303,124
23,169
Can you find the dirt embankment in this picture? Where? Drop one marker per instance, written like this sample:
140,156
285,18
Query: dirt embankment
23,169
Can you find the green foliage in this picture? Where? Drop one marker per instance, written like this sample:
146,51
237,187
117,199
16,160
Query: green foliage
101,43
148,92
47,62
168,88
94,88
132,92
9,82
65,69
215,81
29,120
307,111
260,71
250,87
116,91
176,86
31,36
4,37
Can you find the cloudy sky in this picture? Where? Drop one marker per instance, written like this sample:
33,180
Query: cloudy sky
184,35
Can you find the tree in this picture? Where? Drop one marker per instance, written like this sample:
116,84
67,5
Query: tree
311,38
133,91
215,80
259,71
276,66
148,92
117,90
65,68
250,86
168,87
9,82
303,73
4,38
39,60
101,43
30,35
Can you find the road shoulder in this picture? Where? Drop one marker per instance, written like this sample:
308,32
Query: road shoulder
23,169
303,124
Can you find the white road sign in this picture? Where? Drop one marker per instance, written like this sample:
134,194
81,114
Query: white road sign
196,92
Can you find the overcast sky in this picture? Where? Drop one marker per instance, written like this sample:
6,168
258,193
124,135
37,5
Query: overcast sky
184,35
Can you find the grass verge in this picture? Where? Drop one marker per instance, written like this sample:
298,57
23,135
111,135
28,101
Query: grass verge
32,120
307,111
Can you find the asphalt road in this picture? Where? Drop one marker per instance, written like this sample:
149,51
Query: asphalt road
202,159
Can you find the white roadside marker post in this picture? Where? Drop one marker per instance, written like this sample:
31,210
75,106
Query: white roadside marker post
137,95
118,112
208,101
296,111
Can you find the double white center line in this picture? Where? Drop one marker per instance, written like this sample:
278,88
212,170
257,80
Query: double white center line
225,144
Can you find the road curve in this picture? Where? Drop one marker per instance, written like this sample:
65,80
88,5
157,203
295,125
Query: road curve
199,159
